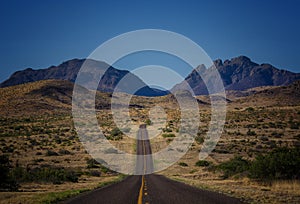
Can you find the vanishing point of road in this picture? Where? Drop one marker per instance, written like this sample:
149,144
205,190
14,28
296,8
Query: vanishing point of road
149,188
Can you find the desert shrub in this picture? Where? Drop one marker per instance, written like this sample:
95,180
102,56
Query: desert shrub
202,163
272,144
94,173
57,139
281,163
92,163
272,125
277,134
199,139
8,149
64,152
259,146
221,151
51,153
148,122
105,169
294,125
251,132
234,166
182,164
297,137
250,109
38,160
264,138
168,135
115,134
44,174
7,181
166,130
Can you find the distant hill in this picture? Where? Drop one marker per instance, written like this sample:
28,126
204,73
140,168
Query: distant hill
274,96
68,71
240,73
55,97
43,97
36,98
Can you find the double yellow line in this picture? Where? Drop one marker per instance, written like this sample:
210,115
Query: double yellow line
140,198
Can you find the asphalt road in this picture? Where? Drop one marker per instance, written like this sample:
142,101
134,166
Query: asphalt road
149,188
144,161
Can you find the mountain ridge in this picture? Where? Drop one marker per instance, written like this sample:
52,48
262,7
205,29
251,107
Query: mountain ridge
68,70
239,73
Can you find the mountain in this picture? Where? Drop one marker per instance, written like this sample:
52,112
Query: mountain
68,71
240,73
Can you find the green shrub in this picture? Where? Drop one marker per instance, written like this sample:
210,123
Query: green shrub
250,109
182,164
148,122
199,139
51,153
105,169
7,181
94,173
44,174
277,134
115,134
234,166
251,133
281,163
92,163
168,135
166,130
202,163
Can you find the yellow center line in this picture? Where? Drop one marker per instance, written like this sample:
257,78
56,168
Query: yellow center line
144,149
140,198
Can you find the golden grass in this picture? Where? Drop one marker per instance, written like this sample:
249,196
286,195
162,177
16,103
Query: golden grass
288,186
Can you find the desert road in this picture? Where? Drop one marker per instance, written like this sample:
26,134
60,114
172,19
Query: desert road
149,188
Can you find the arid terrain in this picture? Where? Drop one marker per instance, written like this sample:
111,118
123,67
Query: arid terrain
38,136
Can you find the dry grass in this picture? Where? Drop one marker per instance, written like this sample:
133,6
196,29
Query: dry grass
44,193
31,124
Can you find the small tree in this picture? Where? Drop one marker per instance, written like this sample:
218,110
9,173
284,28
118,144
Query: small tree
148,122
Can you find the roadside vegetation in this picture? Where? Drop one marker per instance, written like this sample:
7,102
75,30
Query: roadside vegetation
279,164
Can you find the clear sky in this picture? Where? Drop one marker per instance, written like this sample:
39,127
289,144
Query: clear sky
38,34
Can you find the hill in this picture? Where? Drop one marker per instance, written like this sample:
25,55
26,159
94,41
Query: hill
240,74
68,71
42,97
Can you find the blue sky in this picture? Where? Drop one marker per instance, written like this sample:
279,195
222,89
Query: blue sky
39,34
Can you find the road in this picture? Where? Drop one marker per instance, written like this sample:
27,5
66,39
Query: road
149,188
